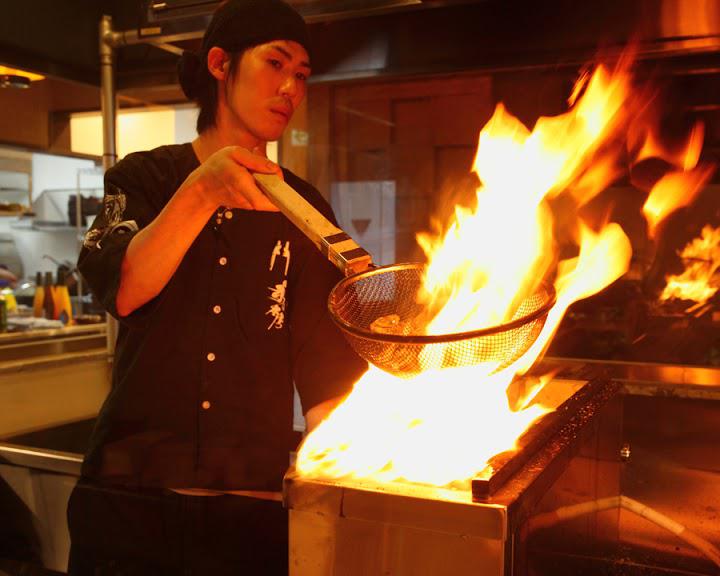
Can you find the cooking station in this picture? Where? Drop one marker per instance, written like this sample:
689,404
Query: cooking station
648,432
564,503
622,476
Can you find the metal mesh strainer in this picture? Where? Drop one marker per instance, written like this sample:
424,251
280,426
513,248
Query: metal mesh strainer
358,301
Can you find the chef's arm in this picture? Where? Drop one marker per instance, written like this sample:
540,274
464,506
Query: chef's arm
319,412
156,251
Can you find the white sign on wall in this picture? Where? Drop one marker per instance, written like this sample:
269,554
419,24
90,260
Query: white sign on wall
366,211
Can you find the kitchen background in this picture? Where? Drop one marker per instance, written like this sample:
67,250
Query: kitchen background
400,91
37,189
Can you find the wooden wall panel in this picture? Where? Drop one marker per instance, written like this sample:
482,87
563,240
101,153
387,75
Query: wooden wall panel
453,165
24,115
411,122
411,214
413,169
421,134
534,93
373,164
33,117
458,118
454,181
319,156
369,123
293,154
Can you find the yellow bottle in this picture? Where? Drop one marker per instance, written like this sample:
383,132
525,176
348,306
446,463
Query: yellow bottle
10,301
61,296
38,297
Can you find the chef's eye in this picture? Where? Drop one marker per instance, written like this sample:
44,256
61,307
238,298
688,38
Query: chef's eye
275,63
300,76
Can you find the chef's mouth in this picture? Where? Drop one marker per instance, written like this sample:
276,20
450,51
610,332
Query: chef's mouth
283,113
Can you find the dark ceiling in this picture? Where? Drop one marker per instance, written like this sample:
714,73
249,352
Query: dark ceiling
432,37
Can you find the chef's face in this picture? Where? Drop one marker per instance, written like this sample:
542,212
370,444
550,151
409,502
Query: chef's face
267,86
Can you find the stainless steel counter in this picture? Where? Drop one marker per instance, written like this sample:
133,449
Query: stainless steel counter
647,379
18,349
41,459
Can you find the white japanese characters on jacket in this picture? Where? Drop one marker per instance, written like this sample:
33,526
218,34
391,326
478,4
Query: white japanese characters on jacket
280,256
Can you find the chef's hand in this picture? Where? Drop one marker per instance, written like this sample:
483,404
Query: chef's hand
5,274
225,179
319,412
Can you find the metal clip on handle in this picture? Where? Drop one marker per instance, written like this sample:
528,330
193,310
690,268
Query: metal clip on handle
332,241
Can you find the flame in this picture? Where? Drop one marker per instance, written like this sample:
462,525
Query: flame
392,429
699,281
679,187
519,169
685,157
673,191
443,426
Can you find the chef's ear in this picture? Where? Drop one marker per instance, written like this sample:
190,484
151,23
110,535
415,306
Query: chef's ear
218,62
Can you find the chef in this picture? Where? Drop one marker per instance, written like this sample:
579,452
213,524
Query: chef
222,311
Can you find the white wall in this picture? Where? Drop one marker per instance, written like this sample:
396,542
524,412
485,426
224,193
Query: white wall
36,248
143,129
55,172
137,130
366,211
185,122
33,240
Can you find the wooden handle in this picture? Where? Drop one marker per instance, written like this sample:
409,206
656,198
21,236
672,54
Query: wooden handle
332,241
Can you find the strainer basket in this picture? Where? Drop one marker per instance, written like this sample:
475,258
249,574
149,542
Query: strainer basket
359,300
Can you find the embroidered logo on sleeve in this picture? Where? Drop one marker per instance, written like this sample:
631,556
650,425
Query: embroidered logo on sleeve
278,292
110,220
114,206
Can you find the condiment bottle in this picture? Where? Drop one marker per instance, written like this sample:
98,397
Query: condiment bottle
10,301
63,306
38,297
3,314
48,300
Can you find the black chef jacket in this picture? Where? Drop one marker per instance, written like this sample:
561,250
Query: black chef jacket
202,392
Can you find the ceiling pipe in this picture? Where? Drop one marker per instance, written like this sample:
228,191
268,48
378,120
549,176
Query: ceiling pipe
108,106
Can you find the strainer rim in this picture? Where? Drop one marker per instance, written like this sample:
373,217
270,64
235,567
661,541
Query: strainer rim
424,339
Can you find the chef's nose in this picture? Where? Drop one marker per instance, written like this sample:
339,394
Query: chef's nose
289,87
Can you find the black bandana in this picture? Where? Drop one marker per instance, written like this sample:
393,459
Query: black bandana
236,26
239,24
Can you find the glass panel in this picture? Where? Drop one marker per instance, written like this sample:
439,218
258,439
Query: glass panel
391,156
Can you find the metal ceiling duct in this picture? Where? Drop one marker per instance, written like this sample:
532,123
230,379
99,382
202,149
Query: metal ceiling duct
163,11
461,34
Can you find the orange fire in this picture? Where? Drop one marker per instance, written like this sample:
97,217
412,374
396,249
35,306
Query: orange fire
700,280
673,191
679,187
441,427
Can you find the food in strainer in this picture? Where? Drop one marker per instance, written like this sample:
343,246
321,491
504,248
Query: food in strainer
389,324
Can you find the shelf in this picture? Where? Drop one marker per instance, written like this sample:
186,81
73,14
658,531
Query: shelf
41,227
49,333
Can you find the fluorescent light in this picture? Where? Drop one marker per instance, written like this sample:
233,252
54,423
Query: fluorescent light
7,71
